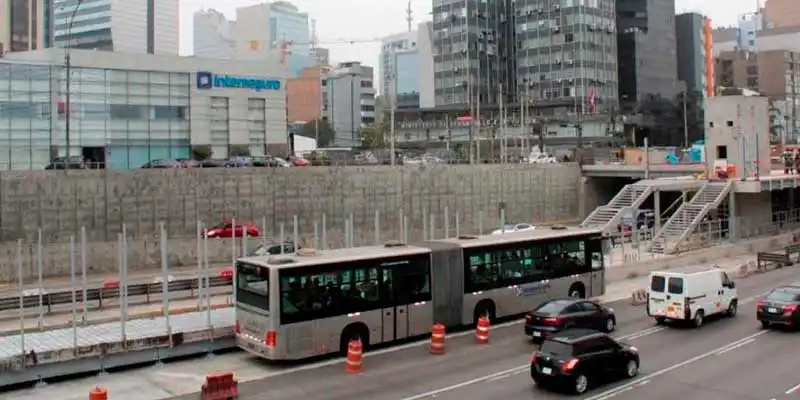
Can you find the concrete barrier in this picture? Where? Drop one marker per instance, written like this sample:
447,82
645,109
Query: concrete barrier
638,297
744,271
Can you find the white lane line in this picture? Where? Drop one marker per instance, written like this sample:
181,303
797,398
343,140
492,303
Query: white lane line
616,394
793,389
673,367
745,343
643,333
642,383
497,378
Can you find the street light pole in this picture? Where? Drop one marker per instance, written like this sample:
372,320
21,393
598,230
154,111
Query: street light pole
68,71
392,102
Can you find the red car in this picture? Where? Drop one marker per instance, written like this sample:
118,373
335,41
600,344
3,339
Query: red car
299,162
227,230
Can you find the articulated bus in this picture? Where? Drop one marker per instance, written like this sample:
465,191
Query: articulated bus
312,303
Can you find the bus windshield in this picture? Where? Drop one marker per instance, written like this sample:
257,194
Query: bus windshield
252,285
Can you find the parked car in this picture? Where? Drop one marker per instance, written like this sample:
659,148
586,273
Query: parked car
239,162
163,164
514,227
554,316
781,306
71,162
210,163
299,162
579,359
228,230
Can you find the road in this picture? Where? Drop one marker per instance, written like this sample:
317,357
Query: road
467,370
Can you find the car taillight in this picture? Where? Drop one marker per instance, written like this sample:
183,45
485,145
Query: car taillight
237,328
569,365
760,306
790,308
552,321
271,338
533,357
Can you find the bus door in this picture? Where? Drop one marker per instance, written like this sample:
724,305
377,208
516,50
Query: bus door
395,317
595,254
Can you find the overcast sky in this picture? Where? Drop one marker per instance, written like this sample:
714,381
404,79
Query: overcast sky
339,20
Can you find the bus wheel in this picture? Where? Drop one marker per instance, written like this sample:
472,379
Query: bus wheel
484,308
351,332
577,291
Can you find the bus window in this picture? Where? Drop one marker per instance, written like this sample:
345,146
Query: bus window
252,285
411,282
566,258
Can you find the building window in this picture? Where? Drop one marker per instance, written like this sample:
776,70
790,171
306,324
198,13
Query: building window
257,126
220,127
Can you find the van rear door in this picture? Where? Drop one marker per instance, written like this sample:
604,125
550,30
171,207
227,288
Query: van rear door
657,296
676,297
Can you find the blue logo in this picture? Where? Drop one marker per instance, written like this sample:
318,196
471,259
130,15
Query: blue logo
204,80
207,80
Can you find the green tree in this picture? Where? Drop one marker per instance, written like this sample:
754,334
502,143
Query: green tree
319,129
372,138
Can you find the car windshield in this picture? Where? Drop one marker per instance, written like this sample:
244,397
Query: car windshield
551,308
782,296
557,349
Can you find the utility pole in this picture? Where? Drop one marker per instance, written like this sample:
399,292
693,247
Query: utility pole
503,140
68,78
685,123
392,103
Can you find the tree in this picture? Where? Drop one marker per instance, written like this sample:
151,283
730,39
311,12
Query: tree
319,129
372,138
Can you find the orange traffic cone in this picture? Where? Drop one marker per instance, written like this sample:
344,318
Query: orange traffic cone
437,339
482,331
355,354
98,393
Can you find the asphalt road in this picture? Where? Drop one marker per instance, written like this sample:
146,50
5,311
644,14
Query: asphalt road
675,361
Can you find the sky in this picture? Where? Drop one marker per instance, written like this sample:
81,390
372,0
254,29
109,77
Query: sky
341,20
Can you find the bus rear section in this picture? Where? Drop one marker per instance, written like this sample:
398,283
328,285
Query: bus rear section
254,327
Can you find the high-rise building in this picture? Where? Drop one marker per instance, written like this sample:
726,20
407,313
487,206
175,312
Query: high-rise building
348,101
213,35
690,44
23,25
407,68
147,26
646,51
782,13
259,31
321,55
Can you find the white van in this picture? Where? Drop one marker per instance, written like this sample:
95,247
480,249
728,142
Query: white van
691,297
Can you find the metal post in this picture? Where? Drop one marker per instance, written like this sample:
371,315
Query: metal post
282,239
124,283
346,233
165,277
233,245
40,260
352,231
199,260
377,228
446,222
84,283
244,243
392,106
21,299
425,225
207,284
405,229
72,272
646,159
503,220
263,231
324,232
458,225
432,222
480,222
316,235
120,266
400,219
295,231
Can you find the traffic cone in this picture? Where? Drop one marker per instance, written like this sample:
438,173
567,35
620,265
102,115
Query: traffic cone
355,354
437,339
482,331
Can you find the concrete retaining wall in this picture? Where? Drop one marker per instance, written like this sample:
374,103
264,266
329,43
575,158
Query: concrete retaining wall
60,202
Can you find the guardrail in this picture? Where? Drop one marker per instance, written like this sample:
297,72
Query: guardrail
106,293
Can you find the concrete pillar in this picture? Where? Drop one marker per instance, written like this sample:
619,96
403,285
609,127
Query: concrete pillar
733,218
657,209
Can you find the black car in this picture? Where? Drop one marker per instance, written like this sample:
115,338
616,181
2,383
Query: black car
578,359
557,315
780,307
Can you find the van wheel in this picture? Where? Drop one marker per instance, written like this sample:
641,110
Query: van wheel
698,319
732,309
660,320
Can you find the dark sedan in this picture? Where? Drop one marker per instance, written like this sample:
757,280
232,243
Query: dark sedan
780,307
560,314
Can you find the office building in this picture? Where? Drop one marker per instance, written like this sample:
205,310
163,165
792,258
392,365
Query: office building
213,35
23,25
149,107
782,13
646,51
260,31
348,101
149,26
787,38
407,68
691,49
321,55
304,95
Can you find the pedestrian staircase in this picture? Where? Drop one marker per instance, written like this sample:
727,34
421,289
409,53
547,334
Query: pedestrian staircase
686,218
607,217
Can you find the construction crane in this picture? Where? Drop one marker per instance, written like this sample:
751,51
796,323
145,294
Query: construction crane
286,45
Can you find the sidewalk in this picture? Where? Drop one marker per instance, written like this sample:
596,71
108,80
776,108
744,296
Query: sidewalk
59,321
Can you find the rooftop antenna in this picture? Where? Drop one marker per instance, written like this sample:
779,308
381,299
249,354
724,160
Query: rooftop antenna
409,15
314,38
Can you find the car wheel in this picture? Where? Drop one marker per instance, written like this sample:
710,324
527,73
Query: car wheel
698,319
609,325
660,320
732,309
765,325
632,369
581,384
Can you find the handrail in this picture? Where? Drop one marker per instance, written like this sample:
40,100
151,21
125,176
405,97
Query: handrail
106,293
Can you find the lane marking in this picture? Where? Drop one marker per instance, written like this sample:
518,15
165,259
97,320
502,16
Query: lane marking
497,378
673,367
617,393
745,343
643,333
793,389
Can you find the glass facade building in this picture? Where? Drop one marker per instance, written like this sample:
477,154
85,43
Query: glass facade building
287,23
